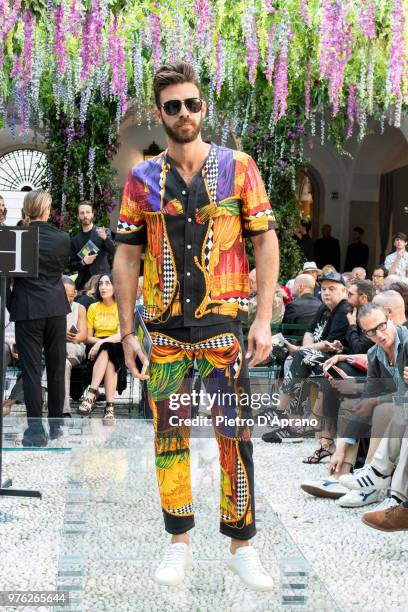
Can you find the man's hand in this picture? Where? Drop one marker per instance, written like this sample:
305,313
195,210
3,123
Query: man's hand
102,233
352,317
89,259
366,407
337,460
132,349
259,342
71,337
292,348
405,375
333,347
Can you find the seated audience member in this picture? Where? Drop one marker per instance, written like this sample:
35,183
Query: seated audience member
305,305
326,335
359,293
393,304
379,275
387,469
311,268
87,296
75,339
397,262
106,351
278,306
402,288
386,362
392,278
327,269
358,273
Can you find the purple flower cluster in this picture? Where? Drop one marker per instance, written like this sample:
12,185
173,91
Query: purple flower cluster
270,54
17,68
351,109
397,58
75,18
280,92
251,42
156,43
117,61
55,217
7,20
28,21
366,18
91,48
59,38
307,89
304,12
268,6
202,10
336,47
220,69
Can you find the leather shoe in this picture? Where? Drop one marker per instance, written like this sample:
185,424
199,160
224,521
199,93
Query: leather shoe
391,519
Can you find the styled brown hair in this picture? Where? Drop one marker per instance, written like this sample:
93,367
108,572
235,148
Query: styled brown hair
35,203
174,74
85,203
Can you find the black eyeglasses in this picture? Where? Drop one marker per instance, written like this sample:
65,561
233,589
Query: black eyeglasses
370,333
173,107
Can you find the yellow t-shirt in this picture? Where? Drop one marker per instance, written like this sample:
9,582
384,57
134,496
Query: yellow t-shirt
104,320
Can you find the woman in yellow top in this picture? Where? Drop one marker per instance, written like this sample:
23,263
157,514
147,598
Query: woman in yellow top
106,351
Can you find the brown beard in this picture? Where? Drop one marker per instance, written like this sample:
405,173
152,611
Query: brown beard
175,134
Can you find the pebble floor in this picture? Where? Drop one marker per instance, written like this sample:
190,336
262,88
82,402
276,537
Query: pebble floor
95,529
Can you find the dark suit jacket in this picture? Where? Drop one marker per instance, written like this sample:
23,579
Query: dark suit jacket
327,251
357,255
100,265
43,297
302,309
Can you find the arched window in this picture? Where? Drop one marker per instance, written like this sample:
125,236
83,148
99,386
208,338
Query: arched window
22,170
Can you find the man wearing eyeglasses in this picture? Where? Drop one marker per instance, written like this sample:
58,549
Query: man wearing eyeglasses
379,276
193,205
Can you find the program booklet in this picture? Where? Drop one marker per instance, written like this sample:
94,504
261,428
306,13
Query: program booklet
145,339
89,248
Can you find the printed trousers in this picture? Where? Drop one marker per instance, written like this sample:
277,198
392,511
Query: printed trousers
219,355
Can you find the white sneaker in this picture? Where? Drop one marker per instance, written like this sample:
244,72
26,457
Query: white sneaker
329,487
177,559
356,499
246,563
365,479
388,502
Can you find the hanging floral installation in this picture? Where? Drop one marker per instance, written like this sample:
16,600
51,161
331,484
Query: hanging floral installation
330,66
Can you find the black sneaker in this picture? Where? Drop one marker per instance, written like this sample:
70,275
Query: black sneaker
56,432
34,439
282,434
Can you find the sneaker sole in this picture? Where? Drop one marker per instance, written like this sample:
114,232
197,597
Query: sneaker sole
317,492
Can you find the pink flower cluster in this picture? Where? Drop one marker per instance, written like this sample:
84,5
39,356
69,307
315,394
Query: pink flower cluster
336,47
202,10
8,18
156,43
366,18
91,48
28,21
270,54
59,38
268,6
251,42
280,92
397,57
351,109
307,89
219,72
75,18
117,61
304,12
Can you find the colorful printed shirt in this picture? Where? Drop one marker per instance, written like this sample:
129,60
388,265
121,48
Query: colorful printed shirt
195,268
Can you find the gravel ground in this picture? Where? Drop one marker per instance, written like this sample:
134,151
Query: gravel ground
95,532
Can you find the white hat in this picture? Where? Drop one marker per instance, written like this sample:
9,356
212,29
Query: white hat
310,265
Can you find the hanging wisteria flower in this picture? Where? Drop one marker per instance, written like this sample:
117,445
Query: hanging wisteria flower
270,54
304,11
251,42
219,72
336,47
268,6
59,38
397,64
91,47
366,18
117,60
202,10
75,18
28,21
307,89
156,42
351,109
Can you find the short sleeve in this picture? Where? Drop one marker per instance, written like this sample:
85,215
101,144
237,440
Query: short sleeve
131,227
90,317
257,215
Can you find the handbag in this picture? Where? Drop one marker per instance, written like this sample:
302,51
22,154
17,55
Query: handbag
358,362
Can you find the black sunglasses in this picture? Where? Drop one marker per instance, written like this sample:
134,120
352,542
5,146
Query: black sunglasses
173,107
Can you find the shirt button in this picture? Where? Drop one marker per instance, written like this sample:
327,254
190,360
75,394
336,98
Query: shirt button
189,219
188,273
188,300
184,192
189,246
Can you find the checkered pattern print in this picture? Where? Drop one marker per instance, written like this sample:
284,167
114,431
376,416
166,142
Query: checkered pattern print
168,273
237,364
263,213
209,245
123,226
211,174
187,509
242,492
224,340
242,302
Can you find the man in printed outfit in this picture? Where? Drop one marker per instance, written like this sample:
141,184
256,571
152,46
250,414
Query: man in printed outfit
192,206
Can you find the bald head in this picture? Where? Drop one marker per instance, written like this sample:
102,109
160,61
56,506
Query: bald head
304,283
393,304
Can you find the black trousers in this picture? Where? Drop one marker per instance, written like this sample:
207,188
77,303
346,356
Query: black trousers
32,337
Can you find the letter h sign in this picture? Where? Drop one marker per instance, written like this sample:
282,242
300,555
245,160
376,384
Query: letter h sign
19,251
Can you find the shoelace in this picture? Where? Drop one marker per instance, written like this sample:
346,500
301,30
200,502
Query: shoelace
253,561
174,555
